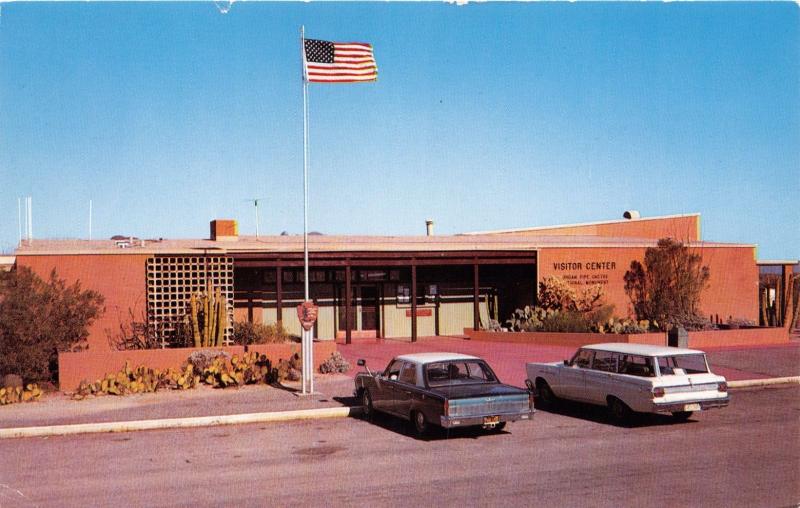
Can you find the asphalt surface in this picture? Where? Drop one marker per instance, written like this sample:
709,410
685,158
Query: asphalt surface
744,455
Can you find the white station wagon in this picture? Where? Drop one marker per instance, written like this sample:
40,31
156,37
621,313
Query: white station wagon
632,378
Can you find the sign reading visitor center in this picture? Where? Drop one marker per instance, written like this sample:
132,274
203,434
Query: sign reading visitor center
585,272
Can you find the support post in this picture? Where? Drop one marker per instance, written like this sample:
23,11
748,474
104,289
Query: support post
348,298
279,295
413,302
475,297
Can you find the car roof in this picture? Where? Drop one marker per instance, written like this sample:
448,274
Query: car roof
434,357
642,349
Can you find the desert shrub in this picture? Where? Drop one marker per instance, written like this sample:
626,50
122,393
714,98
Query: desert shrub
128,381
666,288
39,318
246,333
290,370
201,360
565,321
336,364
250,368
135,333
557,294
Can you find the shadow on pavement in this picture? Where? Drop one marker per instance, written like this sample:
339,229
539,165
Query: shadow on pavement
600,414
434,433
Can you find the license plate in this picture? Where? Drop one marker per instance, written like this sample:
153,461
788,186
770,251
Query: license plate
491,419
691,407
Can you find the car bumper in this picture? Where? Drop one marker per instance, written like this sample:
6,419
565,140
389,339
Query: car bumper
449,422
690,405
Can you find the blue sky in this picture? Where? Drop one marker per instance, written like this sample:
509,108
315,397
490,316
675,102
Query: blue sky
486,116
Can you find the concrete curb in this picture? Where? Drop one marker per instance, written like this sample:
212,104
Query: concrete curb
177,423
748,383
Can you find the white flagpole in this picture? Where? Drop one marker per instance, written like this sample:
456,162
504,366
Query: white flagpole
308,375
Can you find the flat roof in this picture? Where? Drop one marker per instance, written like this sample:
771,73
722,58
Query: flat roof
581,224
642,349
338,243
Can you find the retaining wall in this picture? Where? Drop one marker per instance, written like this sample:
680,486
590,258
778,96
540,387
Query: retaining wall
700,340
92,365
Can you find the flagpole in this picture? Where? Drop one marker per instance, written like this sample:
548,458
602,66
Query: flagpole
308,376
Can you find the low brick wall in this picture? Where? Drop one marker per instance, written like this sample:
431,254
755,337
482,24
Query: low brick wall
92,365
740,337
698,340
565,339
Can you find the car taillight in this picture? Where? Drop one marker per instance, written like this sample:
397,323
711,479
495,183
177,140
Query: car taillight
658,392
447,408
723,386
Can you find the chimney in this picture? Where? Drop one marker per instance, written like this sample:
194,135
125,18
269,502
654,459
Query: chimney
429,227
224,230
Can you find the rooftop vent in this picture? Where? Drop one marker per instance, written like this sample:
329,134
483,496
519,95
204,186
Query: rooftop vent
429,227
631,214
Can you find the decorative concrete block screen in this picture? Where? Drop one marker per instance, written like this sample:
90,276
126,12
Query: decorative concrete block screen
171,280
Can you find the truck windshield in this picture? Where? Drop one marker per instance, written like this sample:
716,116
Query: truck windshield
458,372
682,364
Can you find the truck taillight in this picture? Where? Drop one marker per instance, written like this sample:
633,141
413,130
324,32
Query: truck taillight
658,392
447,408
723,386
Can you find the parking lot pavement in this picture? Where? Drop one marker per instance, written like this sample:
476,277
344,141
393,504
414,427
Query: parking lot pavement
508,360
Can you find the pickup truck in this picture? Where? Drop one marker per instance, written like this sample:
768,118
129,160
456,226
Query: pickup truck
631,378
442,389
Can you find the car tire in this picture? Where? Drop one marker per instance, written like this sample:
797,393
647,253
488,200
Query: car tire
366,403
681,416
420,423
620,412
546,394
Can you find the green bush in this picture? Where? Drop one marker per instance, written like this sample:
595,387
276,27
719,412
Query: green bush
38,319
246,333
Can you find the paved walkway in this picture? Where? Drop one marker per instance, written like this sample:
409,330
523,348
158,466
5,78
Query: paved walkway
508,360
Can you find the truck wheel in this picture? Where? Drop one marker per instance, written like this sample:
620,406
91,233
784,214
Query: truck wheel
682,416
366,402
420,424
620,412
546,394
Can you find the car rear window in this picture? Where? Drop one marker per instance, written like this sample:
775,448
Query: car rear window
636,365
682,364
458,372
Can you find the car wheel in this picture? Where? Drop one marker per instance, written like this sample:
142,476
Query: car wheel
366,402
682,416
420,423
620,412
546,394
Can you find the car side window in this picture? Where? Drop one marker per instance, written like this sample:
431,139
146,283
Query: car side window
635,365
582,359
393,370
408,374
604,361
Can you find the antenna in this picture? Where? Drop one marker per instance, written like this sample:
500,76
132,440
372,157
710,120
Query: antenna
19,218
29,221
90,219
255,202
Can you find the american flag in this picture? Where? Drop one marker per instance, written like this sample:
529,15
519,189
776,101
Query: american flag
339,62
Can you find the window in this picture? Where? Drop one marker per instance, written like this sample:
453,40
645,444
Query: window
582,359
393,370
635,365
605,361
458,372
403,293
683,364
408,374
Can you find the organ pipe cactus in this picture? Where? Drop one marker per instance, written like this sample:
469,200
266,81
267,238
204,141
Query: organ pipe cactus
208,318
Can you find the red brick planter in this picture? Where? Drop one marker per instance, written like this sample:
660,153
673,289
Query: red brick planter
92,365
